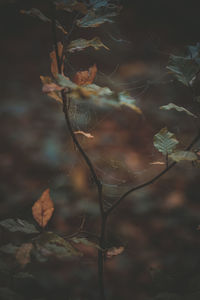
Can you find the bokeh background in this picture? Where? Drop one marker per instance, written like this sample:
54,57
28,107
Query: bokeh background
158,224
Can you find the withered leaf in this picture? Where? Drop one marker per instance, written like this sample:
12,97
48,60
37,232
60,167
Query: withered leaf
54,65
85,77
34,12
86,134
52,89
23,254
114,251
43,209
80,44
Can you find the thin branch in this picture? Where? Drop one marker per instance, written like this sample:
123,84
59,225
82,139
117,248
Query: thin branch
140,186
67,119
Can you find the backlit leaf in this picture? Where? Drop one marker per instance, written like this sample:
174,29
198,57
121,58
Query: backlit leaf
86,134
18,225
34,12
49,244
43,209
184,69
178,108
52,89
114,251
80,44
183,155
54,65
85,77
165,141
23,254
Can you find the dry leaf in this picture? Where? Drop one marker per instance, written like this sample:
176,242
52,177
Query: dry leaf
114,251
43,209
23,254
157,163
54,65
80,44
52,89
85,77
88,135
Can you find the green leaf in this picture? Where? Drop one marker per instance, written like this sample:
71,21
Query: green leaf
165,141
183,155
19,225
49,244
99,15
80,44
184,69
178,108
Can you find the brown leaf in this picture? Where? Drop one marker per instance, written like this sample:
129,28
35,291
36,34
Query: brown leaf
114,251
43,209
23,254
86,134
85,77
54,65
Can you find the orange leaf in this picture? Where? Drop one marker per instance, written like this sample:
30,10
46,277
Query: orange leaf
43,209
85,77
114,251
54,65
86,134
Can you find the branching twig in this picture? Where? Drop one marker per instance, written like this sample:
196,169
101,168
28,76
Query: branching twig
140,186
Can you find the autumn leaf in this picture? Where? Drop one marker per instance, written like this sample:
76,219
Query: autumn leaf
54,65
86,134
23,254
114,251
80,44
43,209
52,89
85,77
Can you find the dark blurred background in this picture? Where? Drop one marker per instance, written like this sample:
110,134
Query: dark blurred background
158,224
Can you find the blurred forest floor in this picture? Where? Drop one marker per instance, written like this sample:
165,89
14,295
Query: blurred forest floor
157,225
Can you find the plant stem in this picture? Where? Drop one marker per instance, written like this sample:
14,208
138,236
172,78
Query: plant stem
66,101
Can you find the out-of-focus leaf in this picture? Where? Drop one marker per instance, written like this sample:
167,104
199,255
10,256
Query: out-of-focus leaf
127,100
184,69
43,209
183,155
85,77
165,141
178,108
9,249
65,82
48,85
80,44
71,5
18,225
96,17
54,65
23,254
86,134
96,4
85,241
194,51
49,244
114,251
34,12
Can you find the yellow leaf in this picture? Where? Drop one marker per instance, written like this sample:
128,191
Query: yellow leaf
86,134
43,209
114,251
